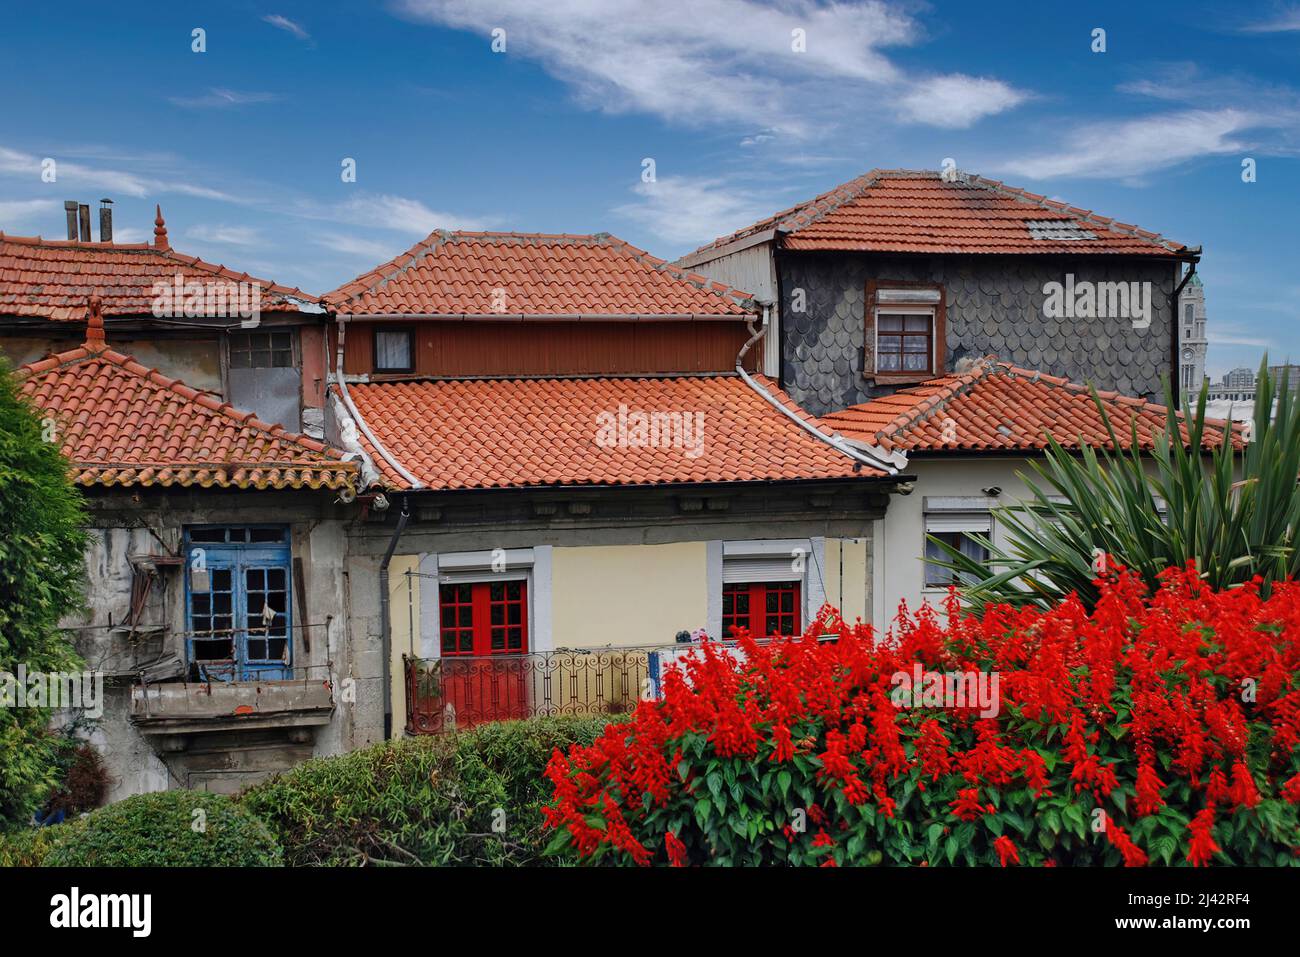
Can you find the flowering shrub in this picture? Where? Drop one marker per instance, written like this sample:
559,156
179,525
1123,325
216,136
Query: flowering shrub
1158,729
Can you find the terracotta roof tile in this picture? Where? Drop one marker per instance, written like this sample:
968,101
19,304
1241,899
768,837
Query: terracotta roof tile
997,406
516,433
120,423
909,211
53,279
531,274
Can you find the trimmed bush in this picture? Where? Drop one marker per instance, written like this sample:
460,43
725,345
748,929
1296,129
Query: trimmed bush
168,829
30,846
1156,729
465,798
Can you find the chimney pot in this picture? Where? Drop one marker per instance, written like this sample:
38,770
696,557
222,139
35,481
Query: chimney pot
83,218
106,220
70,208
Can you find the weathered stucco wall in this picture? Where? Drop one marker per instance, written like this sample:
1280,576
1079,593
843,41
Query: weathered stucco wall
994,306
196,362
135,523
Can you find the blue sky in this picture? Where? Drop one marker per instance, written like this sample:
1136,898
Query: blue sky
243,144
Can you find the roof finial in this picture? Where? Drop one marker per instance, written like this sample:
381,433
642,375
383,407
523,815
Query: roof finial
94,323
160,230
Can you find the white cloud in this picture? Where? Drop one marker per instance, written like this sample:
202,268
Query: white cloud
691,211
370,250
221,98
228,235
957,101
23,211
79,175
398,213
1138,147
1228,334
708,61
1288,21
284,23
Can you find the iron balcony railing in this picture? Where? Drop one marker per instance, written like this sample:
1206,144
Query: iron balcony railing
443,694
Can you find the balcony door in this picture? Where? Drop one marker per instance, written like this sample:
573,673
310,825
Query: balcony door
239,603
486,674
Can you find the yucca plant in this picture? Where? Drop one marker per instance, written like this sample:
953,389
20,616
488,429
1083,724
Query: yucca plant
1232,511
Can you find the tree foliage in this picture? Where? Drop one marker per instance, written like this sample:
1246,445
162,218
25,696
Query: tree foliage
41,577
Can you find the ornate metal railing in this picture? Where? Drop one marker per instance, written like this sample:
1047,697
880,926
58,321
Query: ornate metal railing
443,694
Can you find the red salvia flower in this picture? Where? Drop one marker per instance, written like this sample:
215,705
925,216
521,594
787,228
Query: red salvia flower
1006,850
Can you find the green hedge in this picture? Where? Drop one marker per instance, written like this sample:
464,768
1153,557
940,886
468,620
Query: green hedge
469,798
30,846
167,829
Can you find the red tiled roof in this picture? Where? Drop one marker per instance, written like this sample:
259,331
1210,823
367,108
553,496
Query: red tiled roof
53,278
518,433
531,274
908,211
120,423
997,406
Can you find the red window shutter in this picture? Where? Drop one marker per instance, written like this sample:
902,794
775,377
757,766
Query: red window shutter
484,618
764,608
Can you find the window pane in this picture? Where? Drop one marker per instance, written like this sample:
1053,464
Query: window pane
393,350
917,324
891,323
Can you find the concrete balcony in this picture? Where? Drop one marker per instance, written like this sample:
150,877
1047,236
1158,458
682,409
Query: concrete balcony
194,708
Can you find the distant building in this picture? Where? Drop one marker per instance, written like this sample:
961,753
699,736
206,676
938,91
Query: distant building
1191,340
1240,378
1290,372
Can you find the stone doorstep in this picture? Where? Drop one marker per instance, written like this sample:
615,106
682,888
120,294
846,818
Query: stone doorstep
222,706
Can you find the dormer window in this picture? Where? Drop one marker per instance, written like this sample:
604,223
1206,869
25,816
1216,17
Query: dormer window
905,331
1058,230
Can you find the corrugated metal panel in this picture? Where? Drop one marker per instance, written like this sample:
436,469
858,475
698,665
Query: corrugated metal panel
450,348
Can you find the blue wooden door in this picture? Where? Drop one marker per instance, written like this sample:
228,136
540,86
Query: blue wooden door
239,613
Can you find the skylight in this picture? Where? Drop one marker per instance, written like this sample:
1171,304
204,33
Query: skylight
1057,229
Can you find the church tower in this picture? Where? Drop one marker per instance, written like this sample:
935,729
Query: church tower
1191,341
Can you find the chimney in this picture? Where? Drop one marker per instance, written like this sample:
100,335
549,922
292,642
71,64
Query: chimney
70,207
105,220
83,218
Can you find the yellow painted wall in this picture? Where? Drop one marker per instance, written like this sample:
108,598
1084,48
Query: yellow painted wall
627,594
404,609
846,577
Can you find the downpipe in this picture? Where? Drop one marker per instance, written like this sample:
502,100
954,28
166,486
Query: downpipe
385,626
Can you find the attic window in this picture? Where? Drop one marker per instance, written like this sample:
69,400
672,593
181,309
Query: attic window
1057,229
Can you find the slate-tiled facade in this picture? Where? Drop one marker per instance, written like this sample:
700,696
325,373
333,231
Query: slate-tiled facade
995,305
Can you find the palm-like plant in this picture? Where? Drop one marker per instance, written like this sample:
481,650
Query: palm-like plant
1233,511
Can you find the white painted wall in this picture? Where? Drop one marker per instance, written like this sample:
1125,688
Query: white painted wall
899,568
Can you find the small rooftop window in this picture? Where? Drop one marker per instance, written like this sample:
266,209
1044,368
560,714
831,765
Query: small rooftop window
1058,229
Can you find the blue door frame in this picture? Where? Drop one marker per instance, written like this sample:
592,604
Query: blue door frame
232,575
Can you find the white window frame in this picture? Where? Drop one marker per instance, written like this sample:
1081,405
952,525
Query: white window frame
958,513
812,588
531,565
